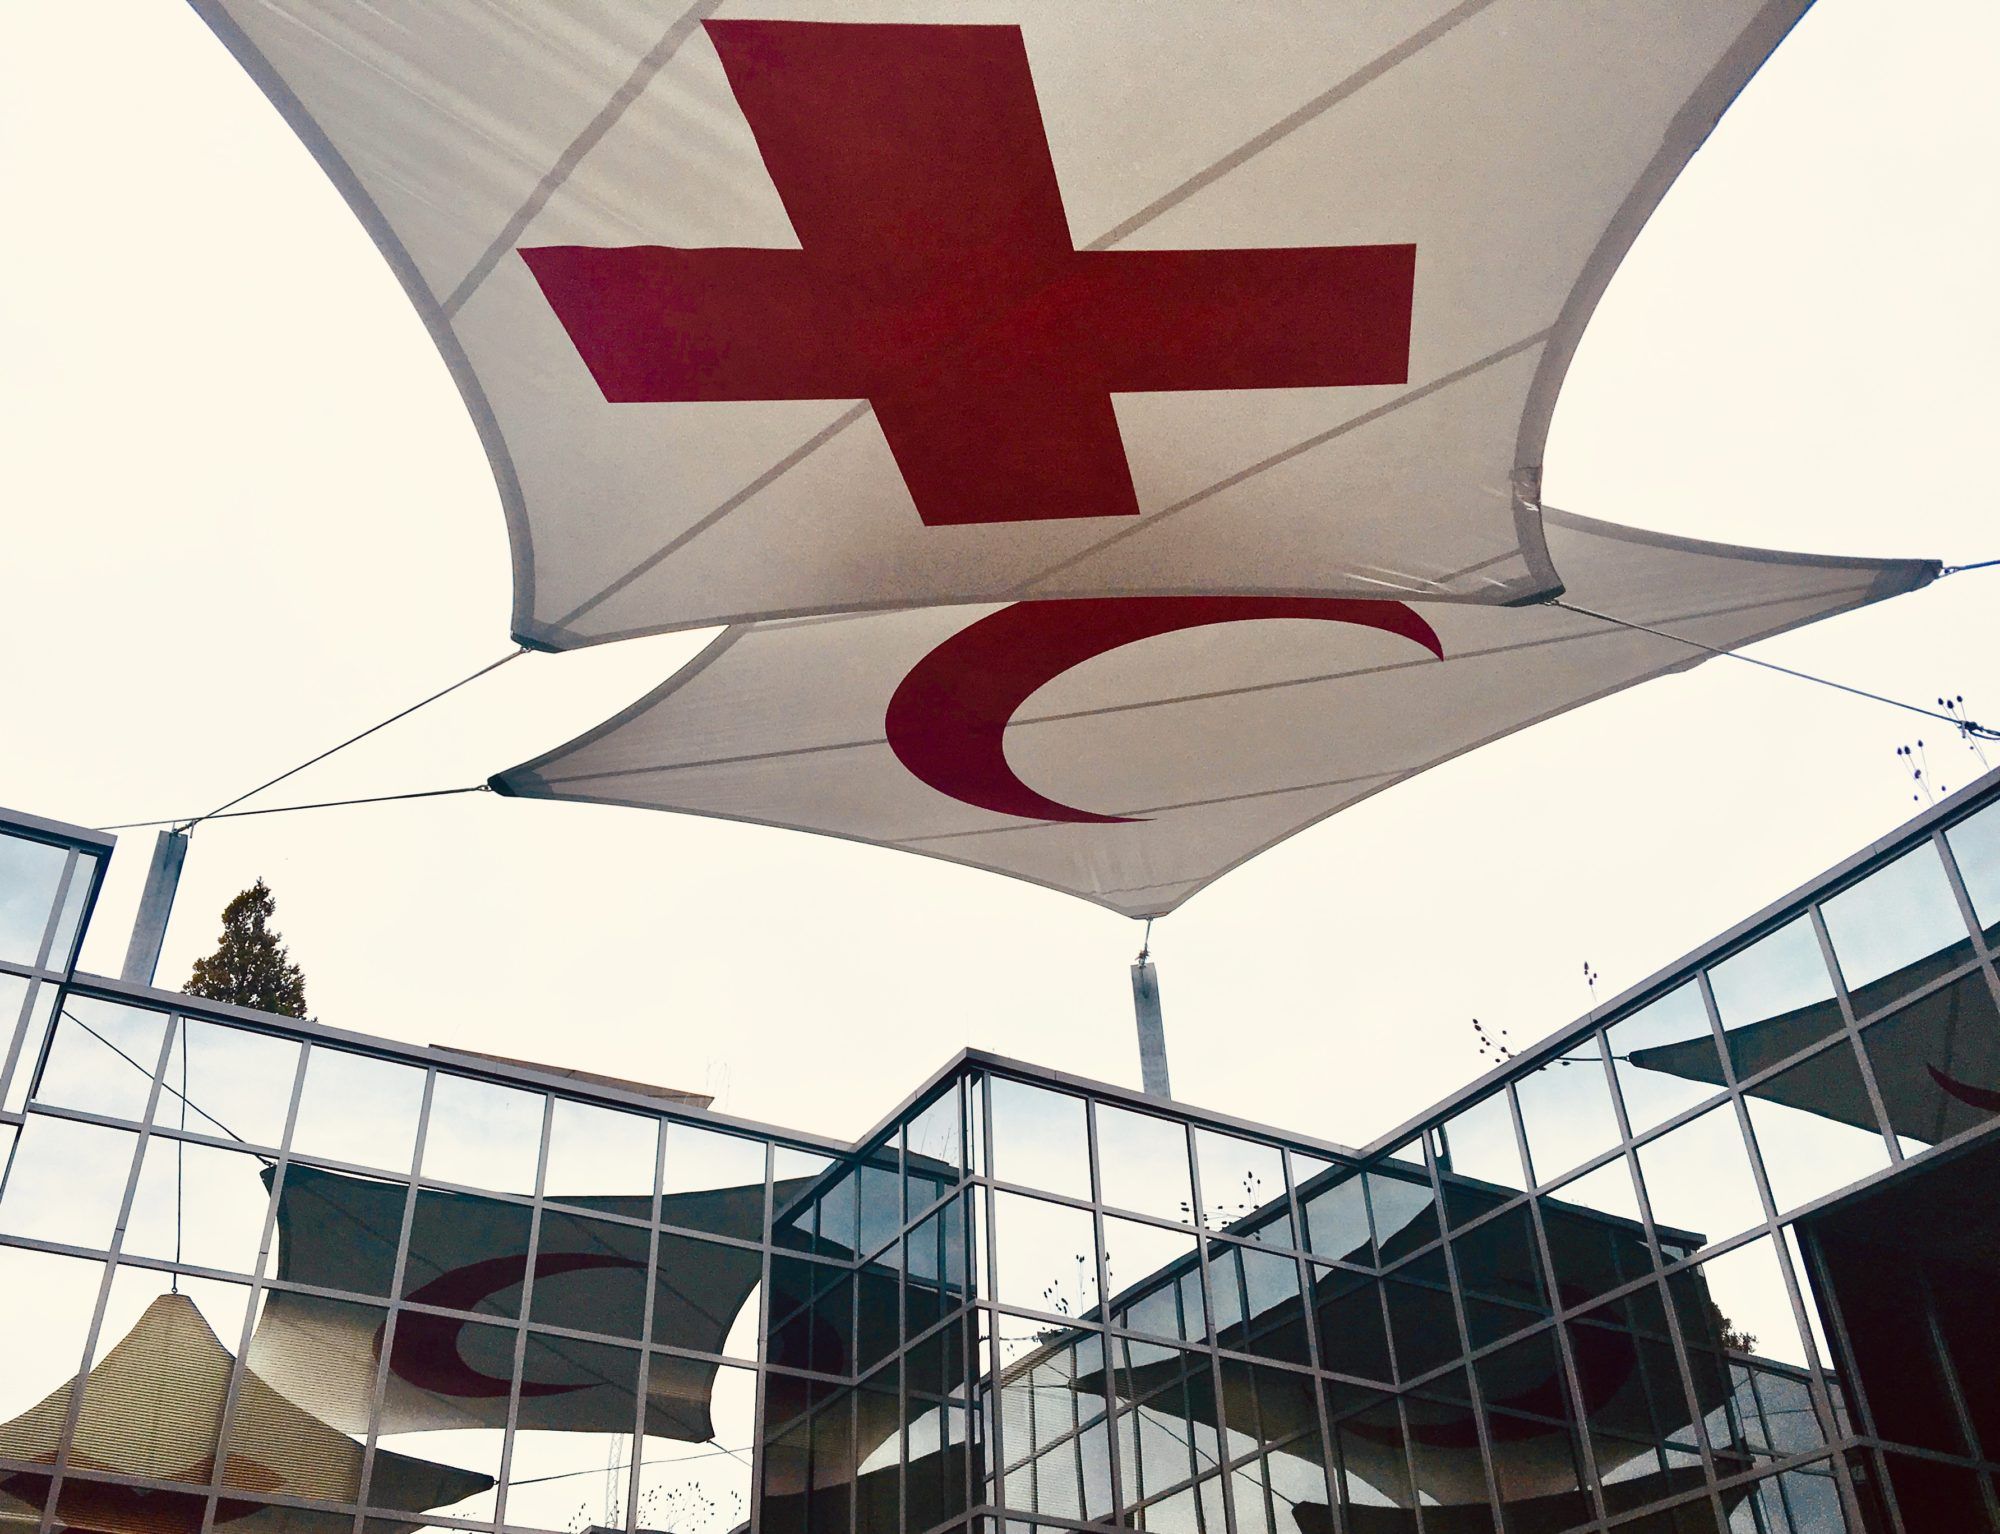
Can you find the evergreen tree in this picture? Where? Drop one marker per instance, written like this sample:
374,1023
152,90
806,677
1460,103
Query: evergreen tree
251,966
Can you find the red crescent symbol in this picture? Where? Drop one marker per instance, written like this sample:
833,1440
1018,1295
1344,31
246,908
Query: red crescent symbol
426,1349
948,718
1965,1092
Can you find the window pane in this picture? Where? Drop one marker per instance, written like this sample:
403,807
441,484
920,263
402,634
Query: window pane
102,1058
1698,1181
358,1109
1336,1214
1975,847
34,1039
1045,1255
62,951
1348,1314
1404,1208
1815,1128
303,1401
1478,1143
878,1190
933,1151
1039,1138
237,1083
1143,1162
66,1181
1896,929
467,1253
1566,1111
1753,1308
1147,1264
1665,1059
483,1135
566,1477
590,1276
1937,1063
715,1182
1242,1187
152,1402
199,1205
29,875
1775,997
338,1231
598,1153
689,1484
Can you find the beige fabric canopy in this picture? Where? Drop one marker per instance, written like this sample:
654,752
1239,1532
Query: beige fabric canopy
1130,760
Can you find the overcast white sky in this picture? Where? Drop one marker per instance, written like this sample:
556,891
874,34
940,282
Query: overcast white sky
245,514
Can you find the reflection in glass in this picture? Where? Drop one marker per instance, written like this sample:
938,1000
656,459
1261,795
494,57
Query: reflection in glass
230,1082
1348,1314
1369,1449
1975,847
163,1358
339,1231
1143,1162
1499,1276
878,1188
62,948
1698,1181
1256,1302
1753,1307
701,1159
568,1478
200,1205
597,1152
933,1151
483,1135
1336,1216
1242,1187
66,1181
1775,997
1664,1058
1815,1128
1566,1111
34,1034
1039,1139
467,1253
1044,1254
358,1109
1896,929
1149,1270
30,874
590,1275
1423,1326
700,1486
1404,1210
1937,1063
1593,1251
1478,1143
102,1058
1608,1190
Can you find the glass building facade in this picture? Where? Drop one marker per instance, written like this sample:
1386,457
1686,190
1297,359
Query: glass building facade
1718,1257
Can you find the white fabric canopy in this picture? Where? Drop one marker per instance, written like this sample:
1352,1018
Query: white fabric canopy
1131,751
759,316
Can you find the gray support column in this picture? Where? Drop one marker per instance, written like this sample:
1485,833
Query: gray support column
156,905
1152,1029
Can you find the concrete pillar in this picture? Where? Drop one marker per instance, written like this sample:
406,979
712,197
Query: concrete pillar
1152,1029
156,906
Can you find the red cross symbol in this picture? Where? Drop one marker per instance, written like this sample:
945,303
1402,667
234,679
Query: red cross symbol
937,280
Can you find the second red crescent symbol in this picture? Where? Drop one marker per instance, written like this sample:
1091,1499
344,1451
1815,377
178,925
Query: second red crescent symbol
948,719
